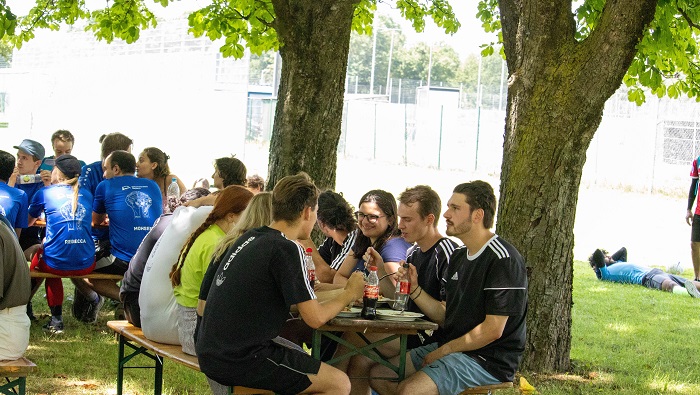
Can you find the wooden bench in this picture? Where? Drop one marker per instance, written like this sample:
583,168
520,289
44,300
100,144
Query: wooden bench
487,389
18,370
132,337
94,276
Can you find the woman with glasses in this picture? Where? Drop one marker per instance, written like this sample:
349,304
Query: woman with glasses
378,223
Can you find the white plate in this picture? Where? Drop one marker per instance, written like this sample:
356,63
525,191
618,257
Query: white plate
354,312
393,315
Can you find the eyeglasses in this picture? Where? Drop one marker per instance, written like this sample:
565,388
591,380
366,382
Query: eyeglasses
371,218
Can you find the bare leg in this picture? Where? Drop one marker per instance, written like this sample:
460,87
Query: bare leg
108,288
29,252
329,380
385,387
418,383
85,288
695,254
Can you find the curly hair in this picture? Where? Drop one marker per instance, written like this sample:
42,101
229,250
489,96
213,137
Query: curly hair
387,204
335,212
231,170
233,199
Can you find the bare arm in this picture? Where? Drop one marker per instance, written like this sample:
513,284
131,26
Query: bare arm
433,308
316,313
98,219
342,275
490,330
324,273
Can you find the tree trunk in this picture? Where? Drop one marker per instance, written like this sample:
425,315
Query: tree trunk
556,94
315,41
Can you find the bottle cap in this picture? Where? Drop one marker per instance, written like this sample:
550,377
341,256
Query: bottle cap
309,250
174,179
373,268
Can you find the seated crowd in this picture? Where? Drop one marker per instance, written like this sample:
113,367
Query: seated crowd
217,273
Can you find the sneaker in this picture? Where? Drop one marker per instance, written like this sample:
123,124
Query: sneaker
93,308
54,326
597,259
692,289
119,312
80,305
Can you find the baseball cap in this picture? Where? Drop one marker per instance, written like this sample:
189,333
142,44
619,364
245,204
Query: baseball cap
32,148
68,165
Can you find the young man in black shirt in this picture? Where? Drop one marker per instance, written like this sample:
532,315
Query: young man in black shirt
486,303
254,284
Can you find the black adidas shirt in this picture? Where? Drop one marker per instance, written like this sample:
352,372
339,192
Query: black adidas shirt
258,278
333,253
492,281
431,265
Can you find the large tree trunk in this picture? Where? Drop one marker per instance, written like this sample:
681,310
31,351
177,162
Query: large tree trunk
556,94
315,41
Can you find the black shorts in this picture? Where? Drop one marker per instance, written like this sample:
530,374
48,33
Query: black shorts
656,277
284,371
695,229
118,266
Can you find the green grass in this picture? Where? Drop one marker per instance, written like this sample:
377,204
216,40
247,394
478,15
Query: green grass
625,340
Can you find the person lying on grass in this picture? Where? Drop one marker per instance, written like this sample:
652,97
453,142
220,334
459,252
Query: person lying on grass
615,268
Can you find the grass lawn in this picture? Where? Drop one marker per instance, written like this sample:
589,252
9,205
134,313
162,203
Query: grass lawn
626,340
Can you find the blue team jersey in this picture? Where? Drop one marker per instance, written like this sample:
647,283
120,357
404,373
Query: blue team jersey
32,232
13,205
92,175
622,272
68,245
133,205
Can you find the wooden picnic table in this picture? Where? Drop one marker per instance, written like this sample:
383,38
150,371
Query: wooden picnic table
394,329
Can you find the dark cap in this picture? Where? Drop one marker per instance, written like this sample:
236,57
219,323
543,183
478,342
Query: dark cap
32,148
68,165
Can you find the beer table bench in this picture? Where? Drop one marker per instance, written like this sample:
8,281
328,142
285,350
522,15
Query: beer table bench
394,329
94,275
18,370
133,338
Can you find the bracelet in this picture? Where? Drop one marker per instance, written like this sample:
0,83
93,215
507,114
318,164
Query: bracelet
414,290
419,294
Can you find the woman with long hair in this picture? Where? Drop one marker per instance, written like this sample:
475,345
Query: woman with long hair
187,273
257,214
378,222
153,164
68,249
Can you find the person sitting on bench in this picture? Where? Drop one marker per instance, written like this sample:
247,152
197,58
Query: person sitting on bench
615,268
14,296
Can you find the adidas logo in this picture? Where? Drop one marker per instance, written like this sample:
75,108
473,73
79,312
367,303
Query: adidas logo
455,277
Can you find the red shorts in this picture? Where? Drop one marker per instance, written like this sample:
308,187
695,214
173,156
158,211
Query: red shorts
40,265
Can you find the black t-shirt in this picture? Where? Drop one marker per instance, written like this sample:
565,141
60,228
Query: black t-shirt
257,280
492,281
431,265
333,253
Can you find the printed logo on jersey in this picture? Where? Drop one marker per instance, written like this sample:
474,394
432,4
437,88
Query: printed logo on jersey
221,278
139,203
2,211
73,220
455,277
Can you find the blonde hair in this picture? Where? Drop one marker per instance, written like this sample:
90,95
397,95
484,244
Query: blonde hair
257,214
76,188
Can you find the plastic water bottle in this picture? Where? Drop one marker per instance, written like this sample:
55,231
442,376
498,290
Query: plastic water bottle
29,178
403,287
173,195
310,267
369,300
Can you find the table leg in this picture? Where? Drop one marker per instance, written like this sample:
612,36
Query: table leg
120,366
316,344
158,384
402,357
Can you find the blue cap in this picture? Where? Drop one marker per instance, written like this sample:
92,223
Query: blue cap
32,148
